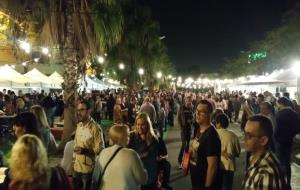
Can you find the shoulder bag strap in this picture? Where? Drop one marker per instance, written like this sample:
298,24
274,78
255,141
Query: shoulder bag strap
111,158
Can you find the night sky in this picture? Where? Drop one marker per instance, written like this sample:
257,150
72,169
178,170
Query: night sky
201,33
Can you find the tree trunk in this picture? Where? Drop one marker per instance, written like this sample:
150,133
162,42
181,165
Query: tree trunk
70,77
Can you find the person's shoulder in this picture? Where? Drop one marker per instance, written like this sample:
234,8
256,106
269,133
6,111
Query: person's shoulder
269,164
231,133
212,130
93,123
128,151
70,143
211,133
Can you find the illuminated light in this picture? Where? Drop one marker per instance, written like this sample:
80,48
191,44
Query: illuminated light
45,50
24,63
179,79
162,37
4,21
105,54
36,60
100,59
49,55
296,68
258,55
189,80
159,74
107,73
169,76
25,46
141,71
121,66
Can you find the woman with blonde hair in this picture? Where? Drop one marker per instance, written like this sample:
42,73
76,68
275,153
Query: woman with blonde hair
128,176
29,168
144,141
28,164
43,127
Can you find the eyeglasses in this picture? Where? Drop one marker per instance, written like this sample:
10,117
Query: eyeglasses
248,135
81,110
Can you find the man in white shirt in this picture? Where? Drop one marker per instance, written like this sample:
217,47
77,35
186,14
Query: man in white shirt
230,147
88,143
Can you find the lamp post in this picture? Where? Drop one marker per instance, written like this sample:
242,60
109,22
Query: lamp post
159,75
141,73
100,59
121,66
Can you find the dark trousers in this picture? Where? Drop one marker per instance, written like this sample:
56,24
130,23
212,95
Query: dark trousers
226,177
197,183
229,114
151,186
165,167
171,118
283,153
236,114
82,181
185,143
198,179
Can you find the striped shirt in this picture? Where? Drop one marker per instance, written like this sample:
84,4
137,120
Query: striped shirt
264,174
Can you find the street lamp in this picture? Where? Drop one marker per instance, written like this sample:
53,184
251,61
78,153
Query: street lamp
45,50
121,66
100,59
25,46
141,71
159,74
36,60
162,37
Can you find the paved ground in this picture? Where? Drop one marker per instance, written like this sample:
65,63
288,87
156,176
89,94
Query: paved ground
183,183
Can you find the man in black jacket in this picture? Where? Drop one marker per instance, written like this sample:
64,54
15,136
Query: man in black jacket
287,126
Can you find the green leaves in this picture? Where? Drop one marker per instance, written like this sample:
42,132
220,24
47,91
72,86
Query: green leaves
276,51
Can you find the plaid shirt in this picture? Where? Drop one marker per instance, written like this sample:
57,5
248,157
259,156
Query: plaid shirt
264,174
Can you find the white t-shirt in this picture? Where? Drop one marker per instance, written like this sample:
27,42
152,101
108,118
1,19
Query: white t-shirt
67,161
230,143
125,171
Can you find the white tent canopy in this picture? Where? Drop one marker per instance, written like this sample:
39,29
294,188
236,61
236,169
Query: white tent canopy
56,77
88,84
260,80
40,78
102,84
11,78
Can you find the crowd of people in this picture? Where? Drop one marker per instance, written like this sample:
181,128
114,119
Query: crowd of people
93,161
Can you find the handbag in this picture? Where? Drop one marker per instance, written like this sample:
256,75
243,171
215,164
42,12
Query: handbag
186,162
96,184
187,156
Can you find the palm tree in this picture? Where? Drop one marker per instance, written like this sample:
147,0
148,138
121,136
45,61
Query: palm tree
80,29
140,46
